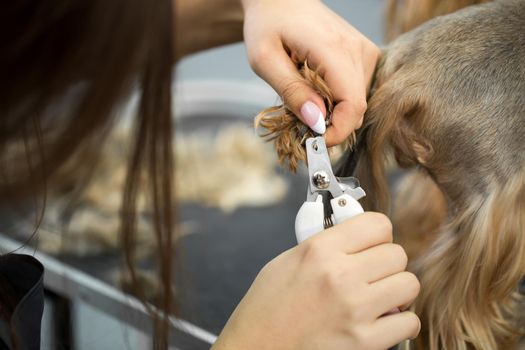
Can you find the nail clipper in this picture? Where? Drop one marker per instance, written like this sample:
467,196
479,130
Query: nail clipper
329,200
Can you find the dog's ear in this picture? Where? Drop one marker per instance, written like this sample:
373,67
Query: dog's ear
390,127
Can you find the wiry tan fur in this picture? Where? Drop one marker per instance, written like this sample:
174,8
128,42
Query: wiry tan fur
404,15
418,211
449,99
282,127
416,224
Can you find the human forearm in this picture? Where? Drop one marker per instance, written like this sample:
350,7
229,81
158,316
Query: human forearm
203,24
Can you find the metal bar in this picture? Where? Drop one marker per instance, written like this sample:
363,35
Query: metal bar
74,284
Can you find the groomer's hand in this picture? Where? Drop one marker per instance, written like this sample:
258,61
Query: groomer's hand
279,34
334,291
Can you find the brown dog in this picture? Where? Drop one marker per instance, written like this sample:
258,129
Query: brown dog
449,99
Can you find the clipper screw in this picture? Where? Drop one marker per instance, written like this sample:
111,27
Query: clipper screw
321,180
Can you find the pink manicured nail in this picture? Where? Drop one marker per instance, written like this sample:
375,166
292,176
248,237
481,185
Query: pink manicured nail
313,117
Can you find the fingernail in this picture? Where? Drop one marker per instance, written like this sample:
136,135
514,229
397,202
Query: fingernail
313,117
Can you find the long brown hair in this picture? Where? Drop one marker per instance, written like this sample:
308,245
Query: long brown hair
64,68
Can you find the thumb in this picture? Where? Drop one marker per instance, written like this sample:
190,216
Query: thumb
281,73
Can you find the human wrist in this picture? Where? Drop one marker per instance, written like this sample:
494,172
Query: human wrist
253,325
239,333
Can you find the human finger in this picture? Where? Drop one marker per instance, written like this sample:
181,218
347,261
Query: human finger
349,90
393,291
348,75
358,233
277,68
394,329
381,261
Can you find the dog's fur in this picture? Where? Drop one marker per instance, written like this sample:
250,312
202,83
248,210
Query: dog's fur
404,15
449,99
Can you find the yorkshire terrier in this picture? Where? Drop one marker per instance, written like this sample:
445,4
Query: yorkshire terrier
447,100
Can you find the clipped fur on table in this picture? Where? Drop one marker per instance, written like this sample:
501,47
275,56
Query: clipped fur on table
229,170
448,99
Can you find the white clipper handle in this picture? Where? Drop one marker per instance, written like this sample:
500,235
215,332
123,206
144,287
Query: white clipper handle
345,207
309,219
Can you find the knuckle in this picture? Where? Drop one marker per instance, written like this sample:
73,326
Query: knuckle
288,90
313,250
360,337
400,255
383,224
331,279
360,106
359,123
254,62
259,54
413,286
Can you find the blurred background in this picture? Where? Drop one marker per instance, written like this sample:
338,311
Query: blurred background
236,210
